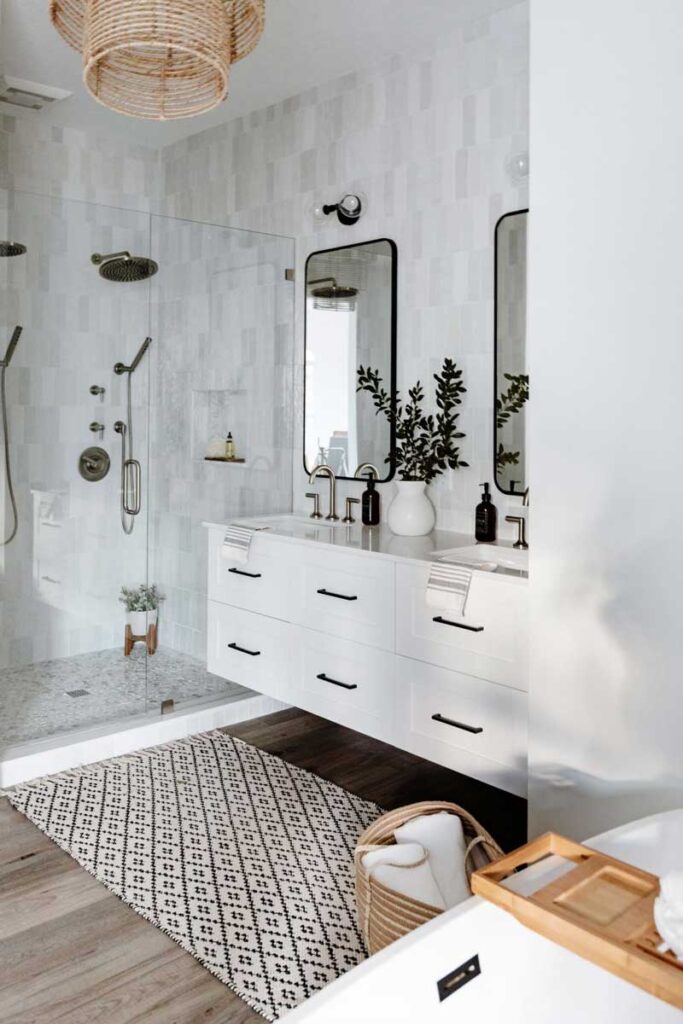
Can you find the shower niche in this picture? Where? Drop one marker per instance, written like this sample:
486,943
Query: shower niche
215,413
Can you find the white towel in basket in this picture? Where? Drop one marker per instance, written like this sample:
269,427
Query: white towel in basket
406,870
442,837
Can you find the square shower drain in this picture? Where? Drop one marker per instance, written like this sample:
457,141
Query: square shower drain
77,693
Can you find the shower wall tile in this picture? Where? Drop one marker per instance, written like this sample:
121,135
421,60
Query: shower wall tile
62,573
426,136
74,164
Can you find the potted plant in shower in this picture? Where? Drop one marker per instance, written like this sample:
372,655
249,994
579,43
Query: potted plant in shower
426,443
142,607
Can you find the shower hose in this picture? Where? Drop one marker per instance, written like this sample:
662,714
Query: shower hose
8,465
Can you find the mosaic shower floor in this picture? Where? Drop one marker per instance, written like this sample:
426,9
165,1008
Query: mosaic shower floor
52,697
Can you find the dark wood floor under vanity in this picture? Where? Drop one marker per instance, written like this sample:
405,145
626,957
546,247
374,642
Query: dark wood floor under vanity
71,952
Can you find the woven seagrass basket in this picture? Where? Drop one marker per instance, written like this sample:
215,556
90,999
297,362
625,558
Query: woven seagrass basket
385,915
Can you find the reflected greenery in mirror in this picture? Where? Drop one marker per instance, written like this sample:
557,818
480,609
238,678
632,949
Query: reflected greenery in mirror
510,377
350,322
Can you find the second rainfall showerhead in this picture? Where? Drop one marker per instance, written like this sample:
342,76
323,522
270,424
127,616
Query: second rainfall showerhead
12,249
122,267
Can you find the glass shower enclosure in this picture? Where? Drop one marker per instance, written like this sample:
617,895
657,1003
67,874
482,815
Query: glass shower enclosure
144,340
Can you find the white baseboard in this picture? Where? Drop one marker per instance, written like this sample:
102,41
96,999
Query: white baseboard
57,753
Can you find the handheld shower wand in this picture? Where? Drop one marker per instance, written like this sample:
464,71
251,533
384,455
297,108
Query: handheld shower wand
13,342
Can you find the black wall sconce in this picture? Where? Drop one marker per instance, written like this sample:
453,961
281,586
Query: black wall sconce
348,209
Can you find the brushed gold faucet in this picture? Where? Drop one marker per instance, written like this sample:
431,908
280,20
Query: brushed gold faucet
324,470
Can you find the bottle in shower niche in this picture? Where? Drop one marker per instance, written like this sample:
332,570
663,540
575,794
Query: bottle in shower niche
486,519
370,505
229,447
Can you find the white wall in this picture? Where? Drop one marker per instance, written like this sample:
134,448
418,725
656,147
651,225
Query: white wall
606,364
426,135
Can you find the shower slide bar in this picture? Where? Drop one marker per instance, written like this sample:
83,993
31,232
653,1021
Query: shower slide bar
131,470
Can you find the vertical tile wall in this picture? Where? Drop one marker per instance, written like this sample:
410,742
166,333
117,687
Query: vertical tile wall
62,573
67,162
426,136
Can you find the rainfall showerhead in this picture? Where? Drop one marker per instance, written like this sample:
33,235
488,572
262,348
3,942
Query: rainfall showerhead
333,295
12,249
121,266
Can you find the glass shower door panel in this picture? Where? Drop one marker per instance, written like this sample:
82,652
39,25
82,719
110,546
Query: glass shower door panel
62,661
223,314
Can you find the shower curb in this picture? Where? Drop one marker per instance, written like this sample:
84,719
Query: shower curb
32,760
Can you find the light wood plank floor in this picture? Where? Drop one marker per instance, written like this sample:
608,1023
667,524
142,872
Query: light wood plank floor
71,952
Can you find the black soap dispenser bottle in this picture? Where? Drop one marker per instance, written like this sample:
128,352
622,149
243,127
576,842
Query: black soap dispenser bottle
370,507
486,518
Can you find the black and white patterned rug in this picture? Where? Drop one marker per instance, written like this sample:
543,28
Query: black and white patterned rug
243,859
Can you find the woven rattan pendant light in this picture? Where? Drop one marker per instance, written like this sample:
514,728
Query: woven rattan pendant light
159,59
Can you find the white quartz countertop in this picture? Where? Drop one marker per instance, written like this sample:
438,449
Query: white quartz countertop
376,540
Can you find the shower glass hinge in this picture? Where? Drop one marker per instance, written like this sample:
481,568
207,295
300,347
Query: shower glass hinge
167,706
290,274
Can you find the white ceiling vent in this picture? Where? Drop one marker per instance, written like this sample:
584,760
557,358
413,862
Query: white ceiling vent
19,93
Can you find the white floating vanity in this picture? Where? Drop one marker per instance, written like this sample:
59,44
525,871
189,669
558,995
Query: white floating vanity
335,620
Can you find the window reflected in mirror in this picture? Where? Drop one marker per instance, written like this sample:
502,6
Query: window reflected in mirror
350,322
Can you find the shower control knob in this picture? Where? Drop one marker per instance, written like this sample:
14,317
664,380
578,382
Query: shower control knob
96,389
97,428
93,464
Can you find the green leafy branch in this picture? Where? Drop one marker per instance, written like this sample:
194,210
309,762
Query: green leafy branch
425,442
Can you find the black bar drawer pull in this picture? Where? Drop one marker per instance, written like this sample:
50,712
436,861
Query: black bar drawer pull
335,682
243,650
458,625
251,575
342,597
457,725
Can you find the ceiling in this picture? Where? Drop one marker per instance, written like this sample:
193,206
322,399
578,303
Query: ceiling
305,42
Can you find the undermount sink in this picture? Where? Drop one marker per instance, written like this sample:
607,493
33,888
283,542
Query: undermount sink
489,557
309,521
303,520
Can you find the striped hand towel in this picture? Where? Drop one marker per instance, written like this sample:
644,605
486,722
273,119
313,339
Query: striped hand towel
236,543
449,586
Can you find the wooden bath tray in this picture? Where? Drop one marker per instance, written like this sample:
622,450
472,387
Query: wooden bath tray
602,909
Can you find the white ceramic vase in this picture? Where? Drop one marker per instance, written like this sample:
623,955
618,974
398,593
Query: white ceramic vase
140,622
411,513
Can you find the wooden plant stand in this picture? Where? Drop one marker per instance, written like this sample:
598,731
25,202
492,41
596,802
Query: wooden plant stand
150,639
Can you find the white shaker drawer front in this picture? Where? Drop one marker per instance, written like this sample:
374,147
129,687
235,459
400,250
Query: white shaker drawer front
346,678
251,650
262,584
348,597
490,641
450,714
